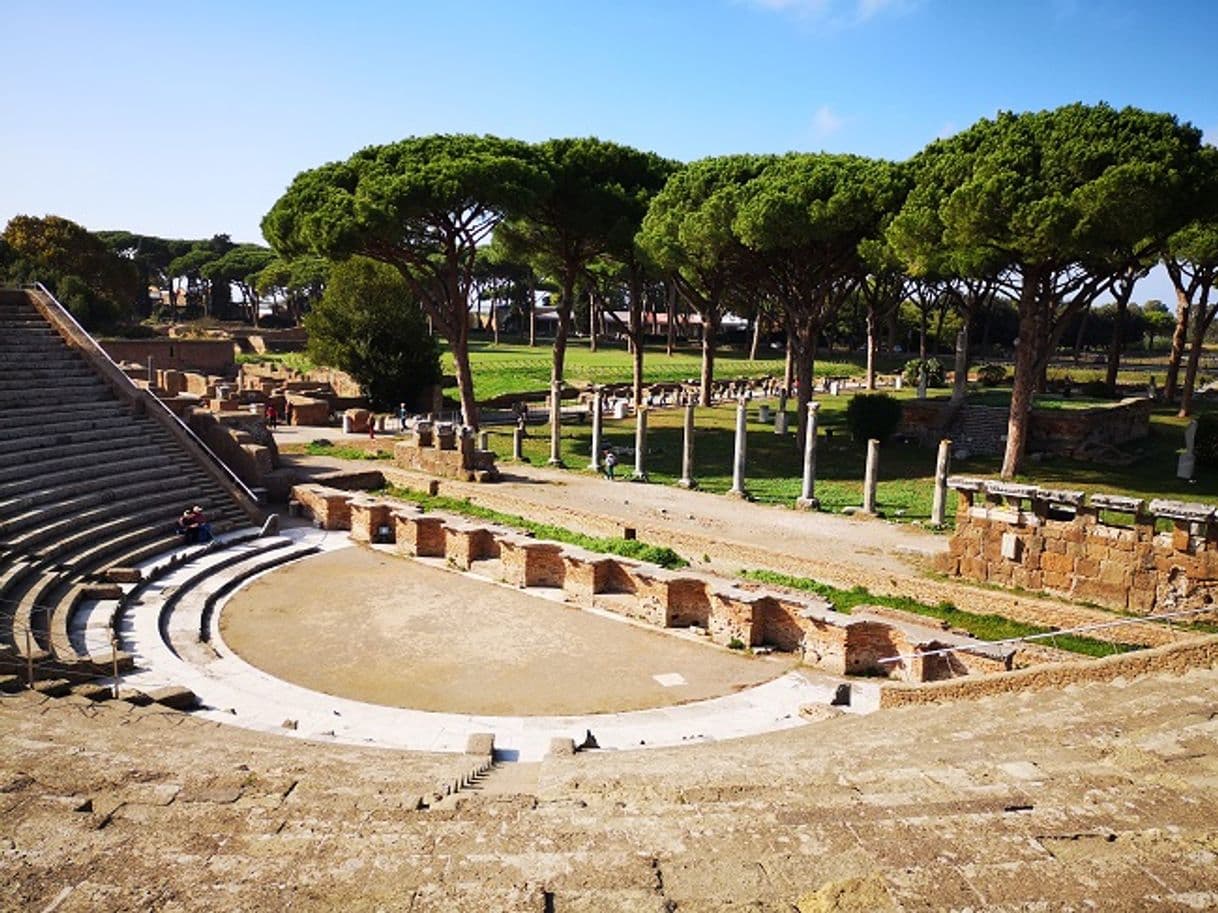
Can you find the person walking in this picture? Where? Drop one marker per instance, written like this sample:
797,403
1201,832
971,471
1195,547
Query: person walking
609,462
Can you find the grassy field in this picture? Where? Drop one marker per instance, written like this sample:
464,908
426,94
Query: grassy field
510,368
906,483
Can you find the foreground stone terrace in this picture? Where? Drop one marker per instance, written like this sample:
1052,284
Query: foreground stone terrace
1097,797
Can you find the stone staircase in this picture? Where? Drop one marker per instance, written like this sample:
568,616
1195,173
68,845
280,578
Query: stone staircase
90,486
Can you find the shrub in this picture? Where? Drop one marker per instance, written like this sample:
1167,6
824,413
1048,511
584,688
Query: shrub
1205,444
1095,388
874,415
935,376
991,375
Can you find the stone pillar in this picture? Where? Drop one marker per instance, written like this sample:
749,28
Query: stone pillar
595,463
869,480
737,490
763,413
782,401
555,424
780,423
687,450
807,496
1186,465
640,445
939,506
518,444
484,439
151,372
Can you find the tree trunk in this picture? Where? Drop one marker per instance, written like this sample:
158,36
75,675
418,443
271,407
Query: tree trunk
801,347
960,379
710,327
671,296
1079,336
592,334
1202,316
1178,340
756,338
1124,291
465,377
1026,370
635,333
872,344
532,311
788,371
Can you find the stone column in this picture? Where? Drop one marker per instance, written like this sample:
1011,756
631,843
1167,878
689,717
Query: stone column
939,506
555,424
869,481
640,445
687,450
484,437
152,373
737,490
518,444
780,423
595,463
807,496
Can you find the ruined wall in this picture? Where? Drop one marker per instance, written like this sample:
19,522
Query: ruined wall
211,356
1176,659
1104,549
1062,431
447,451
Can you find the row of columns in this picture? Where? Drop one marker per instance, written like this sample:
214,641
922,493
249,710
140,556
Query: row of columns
807,499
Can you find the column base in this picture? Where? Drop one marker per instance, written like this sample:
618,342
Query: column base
739,494
687,483
638,477
556,463
807,504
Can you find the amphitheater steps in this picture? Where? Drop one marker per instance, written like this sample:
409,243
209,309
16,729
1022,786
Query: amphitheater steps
94,621
164,618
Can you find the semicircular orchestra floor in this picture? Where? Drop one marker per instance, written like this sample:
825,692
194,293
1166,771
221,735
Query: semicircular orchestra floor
361,624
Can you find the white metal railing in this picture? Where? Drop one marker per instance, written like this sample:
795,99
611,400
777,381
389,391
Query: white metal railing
149,396
1049,635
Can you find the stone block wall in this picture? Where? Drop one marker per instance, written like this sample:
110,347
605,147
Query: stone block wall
1063,431
447,452
1105,549
729,613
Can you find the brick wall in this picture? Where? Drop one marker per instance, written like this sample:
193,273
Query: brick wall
1105,549
211,356
754,617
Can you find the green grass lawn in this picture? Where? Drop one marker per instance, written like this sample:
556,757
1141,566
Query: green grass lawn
906,483
510,368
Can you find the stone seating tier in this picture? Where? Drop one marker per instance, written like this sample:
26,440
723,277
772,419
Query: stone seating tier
88,483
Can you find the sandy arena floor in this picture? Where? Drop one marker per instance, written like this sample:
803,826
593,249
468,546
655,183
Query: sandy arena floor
360,624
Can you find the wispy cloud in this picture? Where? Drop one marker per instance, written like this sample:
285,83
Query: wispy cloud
825,123
838,13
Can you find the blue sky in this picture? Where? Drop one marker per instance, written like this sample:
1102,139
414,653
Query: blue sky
190,119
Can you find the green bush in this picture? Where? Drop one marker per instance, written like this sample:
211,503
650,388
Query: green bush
991,375
935,375
874,415
1205,445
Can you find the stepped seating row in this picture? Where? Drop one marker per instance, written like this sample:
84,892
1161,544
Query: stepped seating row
731,615
89,488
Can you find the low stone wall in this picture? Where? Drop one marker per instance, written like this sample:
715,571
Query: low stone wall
1173,658
1063,431
210,356
241,440
447,451
1045,539
730,614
